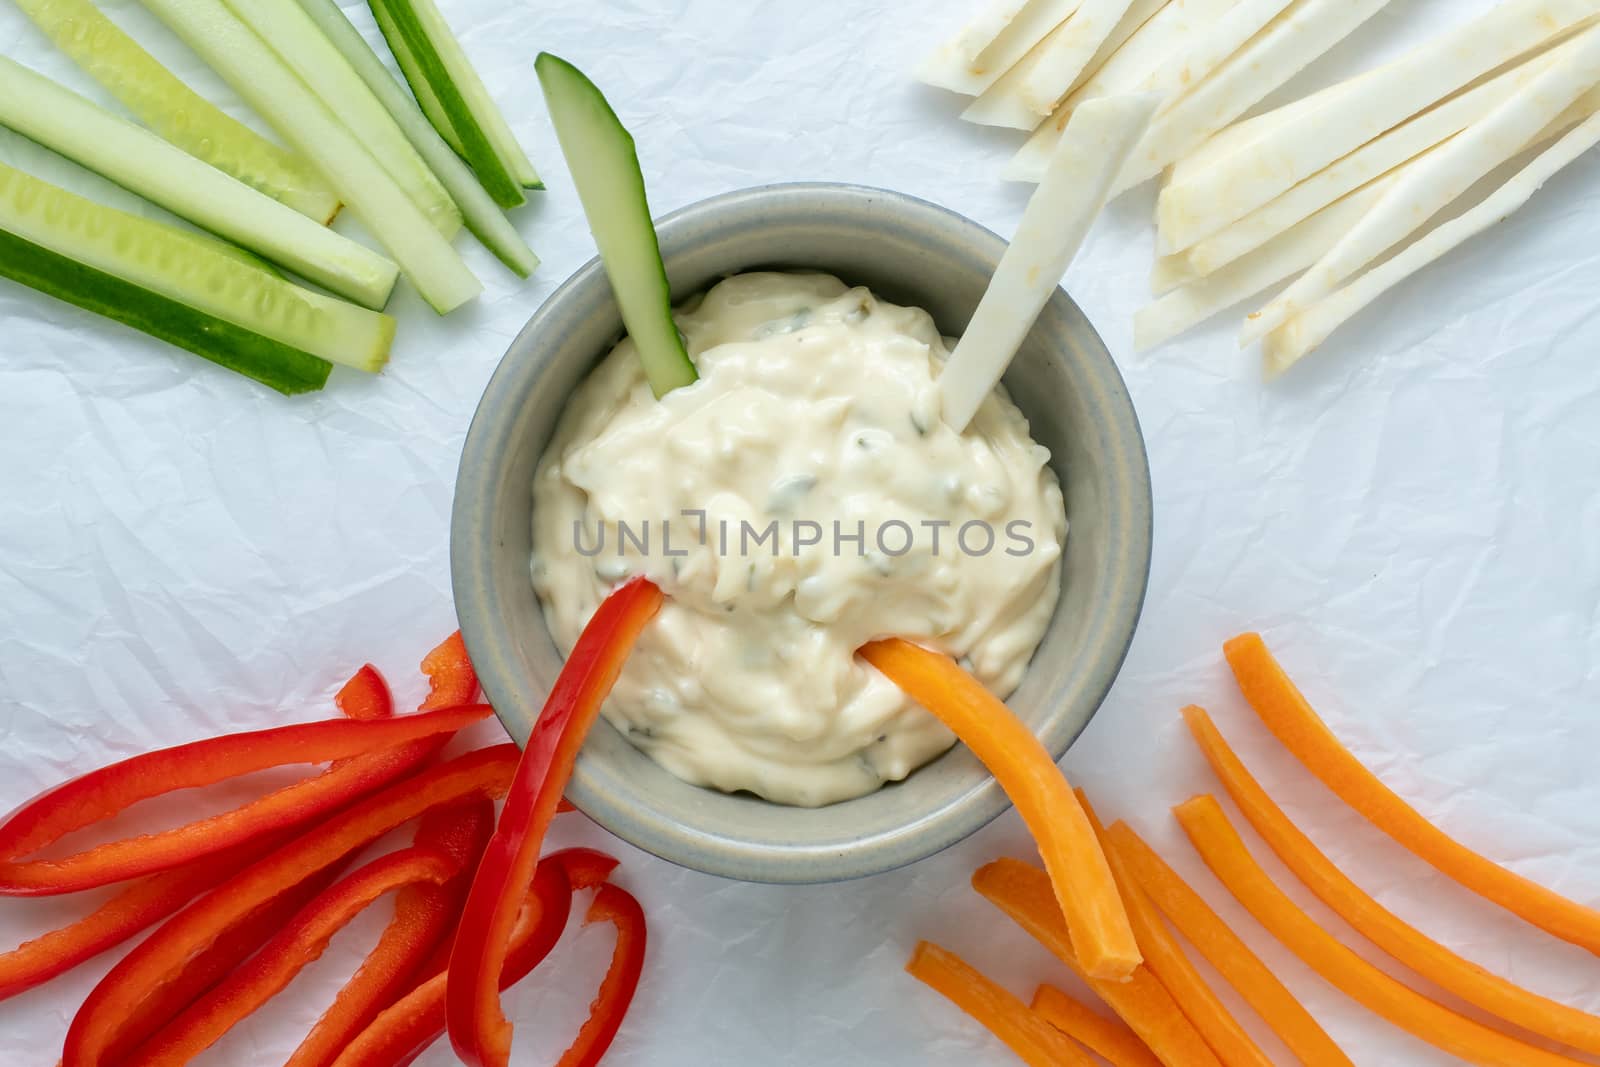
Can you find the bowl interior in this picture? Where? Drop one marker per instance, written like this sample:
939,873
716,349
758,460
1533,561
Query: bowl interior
909,252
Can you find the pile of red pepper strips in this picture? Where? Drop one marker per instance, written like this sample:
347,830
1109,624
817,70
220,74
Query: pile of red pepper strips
253,895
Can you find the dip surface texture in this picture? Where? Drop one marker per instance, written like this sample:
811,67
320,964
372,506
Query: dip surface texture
803,497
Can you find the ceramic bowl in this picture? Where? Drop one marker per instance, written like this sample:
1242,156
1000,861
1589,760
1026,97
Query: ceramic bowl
910,252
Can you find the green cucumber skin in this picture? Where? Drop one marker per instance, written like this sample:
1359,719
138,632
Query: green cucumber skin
480,214
420,90
273,364
177,113
478,151
666,363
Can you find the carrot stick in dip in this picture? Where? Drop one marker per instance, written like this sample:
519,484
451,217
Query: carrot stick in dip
1110,1039
1291,718
1002,1014
1166,959
1024,893
1219,845
1102,938
1226,951
1372,920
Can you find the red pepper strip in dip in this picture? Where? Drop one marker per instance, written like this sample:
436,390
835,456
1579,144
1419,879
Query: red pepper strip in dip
405,1030
610,1005
290,949
161,956
478,1028
366,696
219,960
371,755
451,679
137,906
425,916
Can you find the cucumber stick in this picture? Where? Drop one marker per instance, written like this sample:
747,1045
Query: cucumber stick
257,74
605,167
478,209
420,89
272,363
180,266
443,100
160,101
143,163
290,32
486,140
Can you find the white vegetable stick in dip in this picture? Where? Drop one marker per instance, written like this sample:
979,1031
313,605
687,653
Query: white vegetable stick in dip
1377,157
1291,341
1438,180
992,44
1203,203
1289,43
1054,224
1285,255
1160,36
1029,91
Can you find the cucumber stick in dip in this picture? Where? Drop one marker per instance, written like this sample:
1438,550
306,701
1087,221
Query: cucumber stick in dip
172,263
412,70
478,209
291,33
487,142
278,95
143,163
605,167
177,113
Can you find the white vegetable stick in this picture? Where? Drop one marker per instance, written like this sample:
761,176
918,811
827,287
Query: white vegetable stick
1439,179
1138,13
1054,225
1285,255
1160,36
1029,91
1250,176
1359,167
1291,341
1210,50
954,59
1169,272
1288,44
975,60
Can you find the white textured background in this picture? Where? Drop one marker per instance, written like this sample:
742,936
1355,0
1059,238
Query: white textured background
1413,517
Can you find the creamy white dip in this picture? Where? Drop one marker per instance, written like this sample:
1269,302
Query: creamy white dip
815,406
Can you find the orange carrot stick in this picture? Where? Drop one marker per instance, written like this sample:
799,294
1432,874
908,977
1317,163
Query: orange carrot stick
1214,837
1110,1039
1101,936
1226,951
1023,892
1382,927
1003,1015
1288,715
1167,961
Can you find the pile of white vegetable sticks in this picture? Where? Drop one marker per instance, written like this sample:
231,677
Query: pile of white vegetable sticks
1352,188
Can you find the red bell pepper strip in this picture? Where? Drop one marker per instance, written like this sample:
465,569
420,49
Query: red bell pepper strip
617,906
365,696
137,906
371,754
425,916
154,961
214,964
478,1028
451,679
289,950
565,806
404,1031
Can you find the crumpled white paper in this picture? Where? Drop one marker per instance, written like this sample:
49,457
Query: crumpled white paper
1412,516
